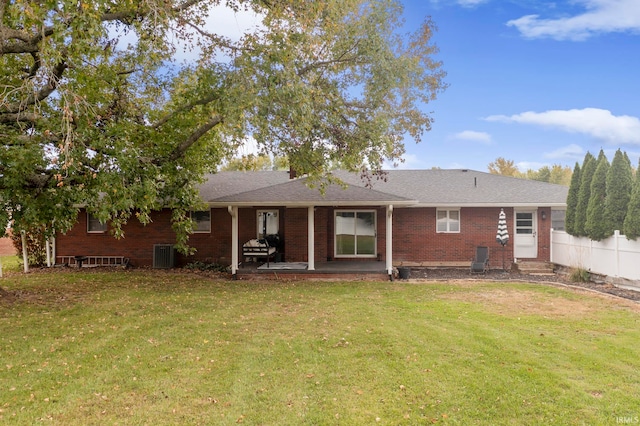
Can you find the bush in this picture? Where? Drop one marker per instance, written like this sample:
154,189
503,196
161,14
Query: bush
205,266
580,275
36,248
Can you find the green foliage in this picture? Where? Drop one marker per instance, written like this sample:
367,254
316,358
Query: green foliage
205,266
631,225
95,111
588,169
557,173
255,163
36,247
504,167
579,275
572,200
619,187
596,225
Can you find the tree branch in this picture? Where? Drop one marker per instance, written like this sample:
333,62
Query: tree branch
193,138
45,91
12,118
184,108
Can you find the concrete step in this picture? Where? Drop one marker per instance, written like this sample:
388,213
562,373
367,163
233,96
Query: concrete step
535,268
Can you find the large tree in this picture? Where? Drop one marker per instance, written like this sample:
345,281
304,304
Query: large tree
504,167
596,225
95,111
619,186
572,200
631,226
584,194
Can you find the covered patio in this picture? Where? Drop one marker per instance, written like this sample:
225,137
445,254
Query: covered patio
316,240
357,269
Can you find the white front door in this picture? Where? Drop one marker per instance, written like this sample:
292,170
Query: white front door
525,242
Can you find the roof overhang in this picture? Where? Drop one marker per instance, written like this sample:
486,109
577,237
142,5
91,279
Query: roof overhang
501,205
300,204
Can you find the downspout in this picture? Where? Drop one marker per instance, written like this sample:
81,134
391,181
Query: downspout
233,211
389,242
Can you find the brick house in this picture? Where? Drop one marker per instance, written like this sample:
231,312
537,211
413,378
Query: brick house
411,217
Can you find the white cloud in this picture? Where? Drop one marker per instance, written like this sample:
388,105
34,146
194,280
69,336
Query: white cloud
249,147
471,135
523,166
223,21
470,3
411,161
601,16
220,20
594,122
572,151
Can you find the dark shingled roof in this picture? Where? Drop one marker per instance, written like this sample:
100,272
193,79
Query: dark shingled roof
459,188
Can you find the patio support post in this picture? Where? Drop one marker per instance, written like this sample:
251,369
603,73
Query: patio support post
233,211
311,253
389,242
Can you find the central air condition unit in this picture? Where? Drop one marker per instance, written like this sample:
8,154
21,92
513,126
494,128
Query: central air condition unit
163,256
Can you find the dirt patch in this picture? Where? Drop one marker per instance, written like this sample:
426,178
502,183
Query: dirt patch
514,302
463,275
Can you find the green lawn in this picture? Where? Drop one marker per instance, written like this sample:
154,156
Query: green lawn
10,264
136,347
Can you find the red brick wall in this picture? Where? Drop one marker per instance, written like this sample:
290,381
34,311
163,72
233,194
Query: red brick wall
295,239
6,247
137,243
414,236
544,234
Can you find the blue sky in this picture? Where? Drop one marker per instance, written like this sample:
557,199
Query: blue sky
536,82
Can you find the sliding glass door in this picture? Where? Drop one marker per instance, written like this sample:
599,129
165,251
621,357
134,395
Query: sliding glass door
355,233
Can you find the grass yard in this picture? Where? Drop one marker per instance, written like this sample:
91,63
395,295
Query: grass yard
10,264
136,347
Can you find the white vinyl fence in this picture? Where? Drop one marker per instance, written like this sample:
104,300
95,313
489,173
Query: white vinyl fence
615,257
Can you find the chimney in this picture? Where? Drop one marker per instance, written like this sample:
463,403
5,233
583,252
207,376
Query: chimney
292,173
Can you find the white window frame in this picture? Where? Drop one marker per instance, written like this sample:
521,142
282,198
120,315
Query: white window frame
93,220
375,234
198,222
448,221
275,214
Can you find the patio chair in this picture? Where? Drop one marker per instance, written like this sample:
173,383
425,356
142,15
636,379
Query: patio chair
480,263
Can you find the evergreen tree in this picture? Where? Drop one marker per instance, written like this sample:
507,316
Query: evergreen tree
572,200
619,186
631,226
588,169
596,226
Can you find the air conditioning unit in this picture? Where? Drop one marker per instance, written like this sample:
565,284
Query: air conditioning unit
163,256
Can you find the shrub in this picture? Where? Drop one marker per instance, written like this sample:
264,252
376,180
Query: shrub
36,248
205,266
579,275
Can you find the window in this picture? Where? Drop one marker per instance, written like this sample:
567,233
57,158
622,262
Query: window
557,219
524,223
448,221
355,233
201,221
268,223
94,224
